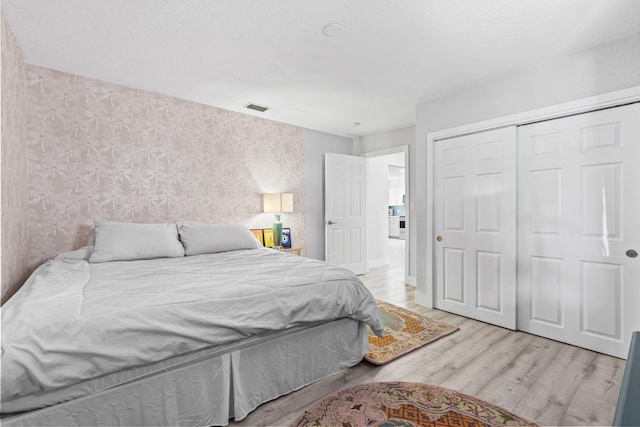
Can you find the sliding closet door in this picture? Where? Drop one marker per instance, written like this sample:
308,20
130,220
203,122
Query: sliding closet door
578,227
474,221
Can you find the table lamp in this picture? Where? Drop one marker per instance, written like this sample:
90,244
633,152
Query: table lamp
277,203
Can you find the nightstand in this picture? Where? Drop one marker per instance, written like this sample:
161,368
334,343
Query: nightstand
294,251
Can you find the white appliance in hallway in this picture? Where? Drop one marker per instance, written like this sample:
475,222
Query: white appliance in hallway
397,206
394,227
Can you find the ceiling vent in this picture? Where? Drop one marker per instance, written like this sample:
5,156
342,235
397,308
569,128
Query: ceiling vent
256,107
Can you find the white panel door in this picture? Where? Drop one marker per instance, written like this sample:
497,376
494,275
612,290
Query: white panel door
475,225
578,205
345,208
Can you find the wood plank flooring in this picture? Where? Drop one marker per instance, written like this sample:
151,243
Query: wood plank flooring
546,381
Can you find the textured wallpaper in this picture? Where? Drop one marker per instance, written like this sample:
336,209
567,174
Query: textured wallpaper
99,150
15,238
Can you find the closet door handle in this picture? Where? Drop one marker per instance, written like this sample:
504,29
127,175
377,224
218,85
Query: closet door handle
439,238
631,253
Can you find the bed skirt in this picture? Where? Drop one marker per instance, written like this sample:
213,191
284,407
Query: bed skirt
212,390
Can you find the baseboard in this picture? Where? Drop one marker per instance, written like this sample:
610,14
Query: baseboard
423,299
410,280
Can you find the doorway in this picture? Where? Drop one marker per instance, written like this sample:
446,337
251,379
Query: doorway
387,213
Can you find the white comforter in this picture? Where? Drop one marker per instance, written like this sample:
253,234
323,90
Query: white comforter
74,320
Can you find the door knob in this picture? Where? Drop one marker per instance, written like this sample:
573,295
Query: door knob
331,222
631,253
439,238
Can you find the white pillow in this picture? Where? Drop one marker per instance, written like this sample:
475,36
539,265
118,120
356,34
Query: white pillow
123,241
208,238
80,253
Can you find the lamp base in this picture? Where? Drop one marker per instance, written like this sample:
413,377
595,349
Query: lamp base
277,232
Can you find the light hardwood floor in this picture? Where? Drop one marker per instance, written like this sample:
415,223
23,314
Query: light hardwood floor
546,381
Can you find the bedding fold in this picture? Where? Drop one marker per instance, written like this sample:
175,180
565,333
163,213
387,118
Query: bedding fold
74,321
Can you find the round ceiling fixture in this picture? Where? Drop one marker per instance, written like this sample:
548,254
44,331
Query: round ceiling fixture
331,30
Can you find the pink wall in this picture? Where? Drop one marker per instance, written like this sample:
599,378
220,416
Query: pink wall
15,238
75,149
99,150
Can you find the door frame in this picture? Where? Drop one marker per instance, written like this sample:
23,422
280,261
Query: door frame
407,191
425,294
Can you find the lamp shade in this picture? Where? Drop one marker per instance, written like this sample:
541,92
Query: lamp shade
287,202
277,202
271,202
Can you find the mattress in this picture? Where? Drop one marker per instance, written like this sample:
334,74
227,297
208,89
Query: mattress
76,328
215,385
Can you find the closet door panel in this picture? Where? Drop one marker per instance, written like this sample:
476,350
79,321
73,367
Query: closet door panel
474,215
578,204
545,291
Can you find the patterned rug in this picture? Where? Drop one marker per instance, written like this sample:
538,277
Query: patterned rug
404,331
401,404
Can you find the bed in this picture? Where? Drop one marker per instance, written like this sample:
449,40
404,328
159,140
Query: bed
136,330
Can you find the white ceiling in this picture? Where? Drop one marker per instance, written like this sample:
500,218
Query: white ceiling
388,56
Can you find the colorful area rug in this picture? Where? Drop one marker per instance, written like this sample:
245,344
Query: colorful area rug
404,331
400,404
